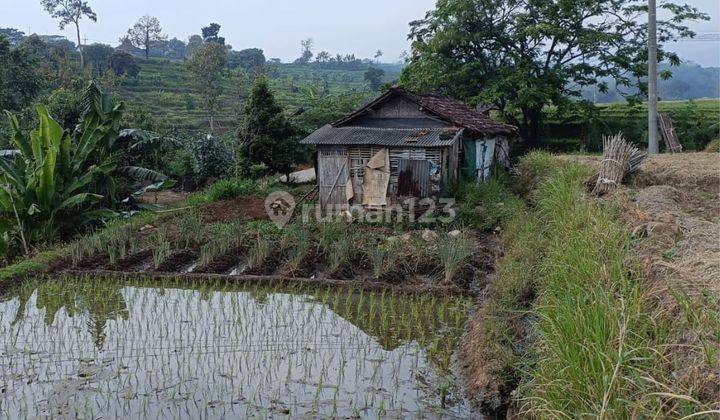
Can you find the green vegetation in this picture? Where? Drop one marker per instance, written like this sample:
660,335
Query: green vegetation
228,189
266,135
696,123
496,53
597,347
357,340
60,182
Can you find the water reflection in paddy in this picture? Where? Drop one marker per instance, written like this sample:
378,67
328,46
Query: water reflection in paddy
100,348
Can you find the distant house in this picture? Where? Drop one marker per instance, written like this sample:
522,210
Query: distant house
402,145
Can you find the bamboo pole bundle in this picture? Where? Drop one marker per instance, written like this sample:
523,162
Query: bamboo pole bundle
619,159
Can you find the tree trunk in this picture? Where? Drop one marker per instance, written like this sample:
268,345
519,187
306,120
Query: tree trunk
82,60
532,119
147,45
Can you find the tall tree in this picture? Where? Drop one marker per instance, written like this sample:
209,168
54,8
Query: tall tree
70,11
374,77
98,56
522,55
211,33
378,54
306,48
207,69
145,33
14,35
265,134
194,44
19,81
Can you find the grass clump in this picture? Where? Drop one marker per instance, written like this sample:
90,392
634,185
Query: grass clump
227,189
191,229
295,244
226,238
453,254
161,247
565,321
487,205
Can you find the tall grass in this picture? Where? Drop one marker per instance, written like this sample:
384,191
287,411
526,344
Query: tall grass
591,346
454,253
592,333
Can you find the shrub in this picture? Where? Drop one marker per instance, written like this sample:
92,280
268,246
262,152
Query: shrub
713,146
212,157
487,205
226,189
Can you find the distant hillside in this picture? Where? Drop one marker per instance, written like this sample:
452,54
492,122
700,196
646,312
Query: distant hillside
163,89
688,81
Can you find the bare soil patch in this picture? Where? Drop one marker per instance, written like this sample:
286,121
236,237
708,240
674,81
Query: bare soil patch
241,209
164,198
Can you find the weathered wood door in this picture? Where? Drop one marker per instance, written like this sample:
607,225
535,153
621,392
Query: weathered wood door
413,178
333,174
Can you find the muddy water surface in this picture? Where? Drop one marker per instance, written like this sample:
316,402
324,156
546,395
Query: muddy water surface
88,348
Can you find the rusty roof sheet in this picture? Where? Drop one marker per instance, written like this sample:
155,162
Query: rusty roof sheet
424,137
451,110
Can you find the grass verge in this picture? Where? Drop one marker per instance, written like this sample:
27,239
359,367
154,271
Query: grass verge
42,260
565,330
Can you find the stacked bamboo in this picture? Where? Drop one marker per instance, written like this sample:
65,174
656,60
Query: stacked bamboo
619,159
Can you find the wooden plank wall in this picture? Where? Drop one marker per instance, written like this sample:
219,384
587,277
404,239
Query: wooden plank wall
333,173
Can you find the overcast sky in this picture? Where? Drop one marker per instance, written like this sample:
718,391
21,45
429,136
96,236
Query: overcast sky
277,26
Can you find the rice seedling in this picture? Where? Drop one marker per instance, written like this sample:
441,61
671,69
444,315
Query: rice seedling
263,350
384,258
225,238
191,229
453,254
161,247
295,243
340,254
259,252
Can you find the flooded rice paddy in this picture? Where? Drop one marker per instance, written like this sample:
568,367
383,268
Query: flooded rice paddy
90,348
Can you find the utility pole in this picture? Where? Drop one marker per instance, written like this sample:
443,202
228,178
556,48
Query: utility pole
653,146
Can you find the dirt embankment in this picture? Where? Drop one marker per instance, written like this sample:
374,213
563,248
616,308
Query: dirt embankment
677,227
672,206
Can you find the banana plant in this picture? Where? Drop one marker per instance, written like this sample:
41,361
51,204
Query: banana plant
59,181
46,185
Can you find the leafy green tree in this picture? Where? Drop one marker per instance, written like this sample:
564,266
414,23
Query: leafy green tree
212,158
250,59
207,70
13,35
98,56
70,11
374,77
521,55
19,82
145,33
194,44
123,63
211,33
266,135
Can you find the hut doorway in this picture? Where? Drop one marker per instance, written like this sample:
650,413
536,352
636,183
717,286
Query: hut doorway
333,176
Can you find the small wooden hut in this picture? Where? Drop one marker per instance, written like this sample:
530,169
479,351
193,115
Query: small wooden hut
402,145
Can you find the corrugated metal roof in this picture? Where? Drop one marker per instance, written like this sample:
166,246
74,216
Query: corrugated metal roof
425,137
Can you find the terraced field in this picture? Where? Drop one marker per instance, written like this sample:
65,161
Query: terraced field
165,90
